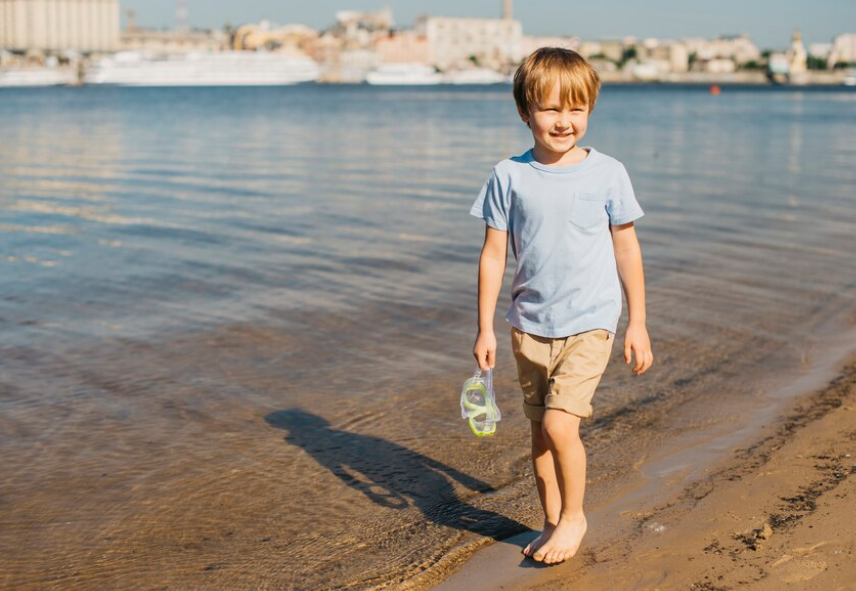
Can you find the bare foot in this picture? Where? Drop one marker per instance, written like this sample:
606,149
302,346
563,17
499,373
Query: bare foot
564,541
535,544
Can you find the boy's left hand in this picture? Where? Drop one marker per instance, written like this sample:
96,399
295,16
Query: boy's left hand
636,341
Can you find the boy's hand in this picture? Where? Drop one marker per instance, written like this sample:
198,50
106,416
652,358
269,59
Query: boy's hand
485,350
636,341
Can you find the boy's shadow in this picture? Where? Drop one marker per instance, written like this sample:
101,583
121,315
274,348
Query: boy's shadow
391,475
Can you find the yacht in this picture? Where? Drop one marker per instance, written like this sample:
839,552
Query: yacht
849,78
228,68
476,76
28,77
404,74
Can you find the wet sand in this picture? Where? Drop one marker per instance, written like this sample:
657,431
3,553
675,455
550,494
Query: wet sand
777,512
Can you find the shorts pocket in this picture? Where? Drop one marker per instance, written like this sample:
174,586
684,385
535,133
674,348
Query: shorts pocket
588,211
602,334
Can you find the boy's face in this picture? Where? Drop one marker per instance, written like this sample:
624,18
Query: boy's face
556,128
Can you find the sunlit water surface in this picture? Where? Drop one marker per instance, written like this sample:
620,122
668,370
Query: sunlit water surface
235,321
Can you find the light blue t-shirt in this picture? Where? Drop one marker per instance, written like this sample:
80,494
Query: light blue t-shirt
558,219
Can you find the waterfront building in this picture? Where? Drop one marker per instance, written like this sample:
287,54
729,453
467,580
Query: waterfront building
720,65
663,56
362,29
403,47
673,54
453,42
608,49
173,42
843,50
738,48
353,65
266,36
797,54
59,25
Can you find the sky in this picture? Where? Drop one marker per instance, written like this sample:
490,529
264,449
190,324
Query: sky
770,23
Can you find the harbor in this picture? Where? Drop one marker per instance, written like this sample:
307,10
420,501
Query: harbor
369,47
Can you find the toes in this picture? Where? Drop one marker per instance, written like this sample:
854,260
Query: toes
526,550
540,555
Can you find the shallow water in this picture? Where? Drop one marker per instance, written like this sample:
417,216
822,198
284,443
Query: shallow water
235,321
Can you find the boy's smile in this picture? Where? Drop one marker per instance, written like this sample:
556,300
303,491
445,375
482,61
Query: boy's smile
557,127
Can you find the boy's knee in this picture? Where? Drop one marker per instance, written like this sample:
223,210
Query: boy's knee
560,427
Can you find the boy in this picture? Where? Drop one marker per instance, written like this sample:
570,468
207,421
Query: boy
569,212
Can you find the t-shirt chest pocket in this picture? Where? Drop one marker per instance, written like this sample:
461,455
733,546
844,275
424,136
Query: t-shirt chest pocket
588,210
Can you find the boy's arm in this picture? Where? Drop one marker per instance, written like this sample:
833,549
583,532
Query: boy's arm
628,256
491,272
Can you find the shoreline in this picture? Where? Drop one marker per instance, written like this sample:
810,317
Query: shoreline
682,523
825,80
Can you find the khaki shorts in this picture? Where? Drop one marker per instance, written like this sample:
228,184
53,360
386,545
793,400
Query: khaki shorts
560,373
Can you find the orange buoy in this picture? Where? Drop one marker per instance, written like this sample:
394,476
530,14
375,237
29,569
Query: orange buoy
715,90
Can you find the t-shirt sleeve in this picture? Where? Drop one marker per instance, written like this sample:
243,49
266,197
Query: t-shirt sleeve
493,203
622,206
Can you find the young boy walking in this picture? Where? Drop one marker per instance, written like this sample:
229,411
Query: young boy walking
569,213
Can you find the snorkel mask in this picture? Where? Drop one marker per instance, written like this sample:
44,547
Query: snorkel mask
478,404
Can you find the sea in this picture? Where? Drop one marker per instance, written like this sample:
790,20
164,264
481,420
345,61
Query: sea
236,321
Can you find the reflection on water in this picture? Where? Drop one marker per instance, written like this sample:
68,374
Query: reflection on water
179,265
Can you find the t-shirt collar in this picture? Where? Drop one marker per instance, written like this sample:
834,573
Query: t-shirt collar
530,159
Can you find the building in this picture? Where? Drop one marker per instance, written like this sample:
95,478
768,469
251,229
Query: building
403,47
665,56
738,48
843,50
610,50
359,30
173,42
798,55
59,25
267,36
454,42
720,65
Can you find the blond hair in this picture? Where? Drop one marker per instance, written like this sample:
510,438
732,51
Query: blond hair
578,81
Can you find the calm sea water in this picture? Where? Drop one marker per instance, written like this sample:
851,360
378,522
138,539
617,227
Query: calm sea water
235,321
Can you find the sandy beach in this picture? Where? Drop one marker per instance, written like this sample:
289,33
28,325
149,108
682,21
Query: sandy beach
776,513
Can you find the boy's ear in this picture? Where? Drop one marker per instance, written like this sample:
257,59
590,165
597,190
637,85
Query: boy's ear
523,115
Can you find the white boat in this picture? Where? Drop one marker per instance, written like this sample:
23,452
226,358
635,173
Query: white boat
476,76
228,68
849,78
28,77
404,74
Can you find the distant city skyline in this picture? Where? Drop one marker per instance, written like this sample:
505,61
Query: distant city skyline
770,23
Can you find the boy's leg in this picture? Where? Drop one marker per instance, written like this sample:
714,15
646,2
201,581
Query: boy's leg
561,433
574,376
548,486
533,356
